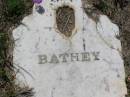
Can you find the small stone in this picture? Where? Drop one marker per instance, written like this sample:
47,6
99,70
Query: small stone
128,79
40,9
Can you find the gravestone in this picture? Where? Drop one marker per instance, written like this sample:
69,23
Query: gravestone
64,53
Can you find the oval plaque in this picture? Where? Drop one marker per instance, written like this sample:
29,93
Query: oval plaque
65,20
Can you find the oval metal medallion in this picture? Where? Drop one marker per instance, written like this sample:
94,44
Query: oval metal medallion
65,20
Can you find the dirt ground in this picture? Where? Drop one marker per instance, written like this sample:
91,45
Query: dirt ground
117,10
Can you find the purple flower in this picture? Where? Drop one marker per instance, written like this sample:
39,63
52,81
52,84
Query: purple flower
37,1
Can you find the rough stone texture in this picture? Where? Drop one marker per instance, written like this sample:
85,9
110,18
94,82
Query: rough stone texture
119,12
92,67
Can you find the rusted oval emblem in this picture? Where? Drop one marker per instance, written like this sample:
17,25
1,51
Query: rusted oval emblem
65,20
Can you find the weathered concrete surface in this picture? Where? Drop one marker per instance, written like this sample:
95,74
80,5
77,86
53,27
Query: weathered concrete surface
88,63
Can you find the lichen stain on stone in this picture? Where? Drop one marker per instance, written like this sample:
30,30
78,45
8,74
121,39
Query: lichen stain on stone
65,20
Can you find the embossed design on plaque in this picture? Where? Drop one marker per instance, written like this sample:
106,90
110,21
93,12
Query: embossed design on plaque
65,20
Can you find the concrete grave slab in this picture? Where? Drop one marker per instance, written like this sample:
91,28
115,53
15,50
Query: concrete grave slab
79,58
